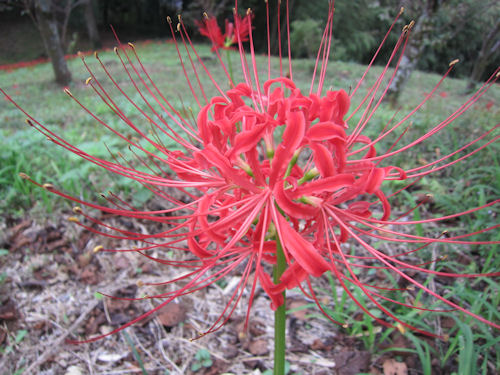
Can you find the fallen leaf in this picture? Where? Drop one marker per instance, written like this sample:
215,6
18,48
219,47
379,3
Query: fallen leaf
74,370
300,313
172,314
8,311
393,367
111,357
258,347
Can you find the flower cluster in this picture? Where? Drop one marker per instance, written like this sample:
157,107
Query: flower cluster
267,169
234,32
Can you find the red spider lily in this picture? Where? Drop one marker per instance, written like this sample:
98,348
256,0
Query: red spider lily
268,162
233,32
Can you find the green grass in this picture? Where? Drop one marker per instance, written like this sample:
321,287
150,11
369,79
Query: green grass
467,184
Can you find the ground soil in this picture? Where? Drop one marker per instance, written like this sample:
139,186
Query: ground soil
48,295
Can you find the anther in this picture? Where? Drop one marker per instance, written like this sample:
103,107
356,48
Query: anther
444,257
48,186
73,219
97,249
116,50
139,283
453,62
401,10
24,176
401,328
28,121
249,11
179,27
412,23
131,45
68,92
410,287
345,325
205,15
497,75
446,337
96,55
77,210
169,20
79,54
87,81
179,17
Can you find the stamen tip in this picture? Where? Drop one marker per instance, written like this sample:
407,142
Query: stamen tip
453,62
131,45
139,283
48,186
205,15
24,176
97,249
401,11
116,50
179,27
179,17
66,90
87,81
169,20
400,328
446,337
77,210
73,219
249,11
96,55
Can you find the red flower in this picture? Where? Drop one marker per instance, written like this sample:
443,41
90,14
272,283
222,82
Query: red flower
270,162
233,32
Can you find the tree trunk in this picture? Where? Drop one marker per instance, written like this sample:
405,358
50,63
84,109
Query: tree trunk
410,58
490,46
50,35
91,24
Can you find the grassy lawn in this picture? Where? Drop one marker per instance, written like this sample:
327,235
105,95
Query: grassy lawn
467,184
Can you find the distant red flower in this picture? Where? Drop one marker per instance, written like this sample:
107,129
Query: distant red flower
233,32
266,164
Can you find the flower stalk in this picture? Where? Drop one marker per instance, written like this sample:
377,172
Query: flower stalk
279,314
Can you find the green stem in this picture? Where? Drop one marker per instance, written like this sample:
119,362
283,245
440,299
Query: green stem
279,315
229,64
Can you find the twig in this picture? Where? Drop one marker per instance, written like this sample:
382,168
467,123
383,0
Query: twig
55,345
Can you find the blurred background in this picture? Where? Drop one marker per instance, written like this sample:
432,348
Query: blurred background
463,29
